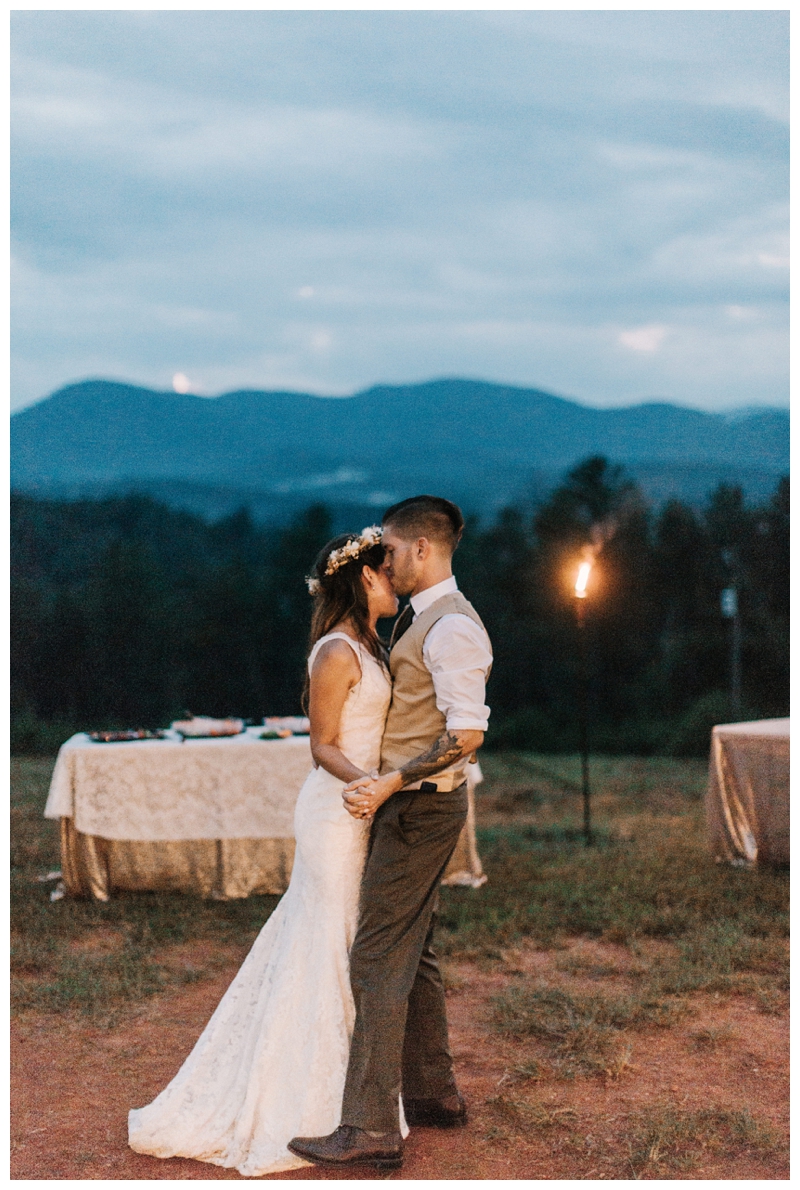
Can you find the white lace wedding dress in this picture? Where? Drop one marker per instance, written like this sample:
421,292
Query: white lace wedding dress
272,1060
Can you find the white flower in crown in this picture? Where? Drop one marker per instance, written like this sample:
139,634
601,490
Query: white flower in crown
351,549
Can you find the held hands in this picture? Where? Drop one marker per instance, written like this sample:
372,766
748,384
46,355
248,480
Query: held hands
363,796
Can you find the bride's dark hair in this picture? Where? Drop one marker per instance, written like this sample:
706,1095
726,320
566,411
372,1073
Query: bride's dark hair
341,595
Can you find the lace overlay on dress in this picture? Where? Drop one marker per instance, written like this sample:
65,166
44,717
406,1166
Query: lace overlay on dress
271,1062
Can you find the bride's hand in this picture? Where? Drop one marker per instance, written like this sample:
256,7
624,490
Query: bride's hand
363,796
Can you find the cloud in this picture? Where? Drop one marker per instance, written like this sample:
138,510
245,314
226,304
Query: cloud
644,338
772,260
325,200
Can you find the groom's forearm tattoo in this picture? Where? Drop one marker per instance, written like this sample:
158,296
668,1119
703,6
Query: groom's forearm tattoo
447,749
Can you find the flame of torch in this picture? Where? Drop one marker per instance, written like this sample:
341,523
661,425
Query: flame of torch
582,579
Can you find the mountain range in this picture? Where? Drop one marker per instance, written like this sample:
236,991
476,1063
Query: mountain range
482,444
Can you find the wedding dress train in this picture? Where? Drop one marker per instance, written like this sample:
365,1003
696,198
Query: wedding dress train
271,1062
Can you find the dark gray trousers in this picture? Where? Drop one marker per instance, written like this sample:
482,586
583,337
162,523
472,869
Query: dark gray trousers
400,1036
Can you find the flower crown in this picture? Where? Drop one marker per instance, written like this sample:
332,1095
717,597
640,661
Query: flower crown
346,553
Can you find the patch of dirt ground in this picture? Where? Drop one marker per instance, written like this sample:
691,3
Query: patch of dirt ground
73,1084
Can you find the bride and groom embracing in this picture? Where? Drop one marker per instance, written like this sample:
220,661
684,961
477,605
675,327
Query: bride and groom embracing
332,1038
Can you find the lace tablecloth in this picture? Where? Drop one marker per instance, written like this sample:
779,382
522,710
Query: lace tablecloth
164,790
747,804
213,816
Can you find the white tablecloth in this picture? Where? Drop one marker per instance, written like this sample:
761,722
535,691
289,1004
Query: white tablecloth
166,790
747,804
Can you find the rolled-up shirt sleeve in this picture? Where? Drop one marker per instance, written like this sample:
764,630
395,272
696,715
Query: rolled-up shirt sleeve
458,654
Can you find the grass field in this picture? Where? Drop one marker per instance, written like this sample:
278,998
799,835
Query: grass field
648,876
578,977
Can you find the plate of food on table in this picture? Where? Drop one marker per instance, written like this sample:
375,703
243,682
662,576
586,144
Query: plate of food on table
200,727
282,727
125,737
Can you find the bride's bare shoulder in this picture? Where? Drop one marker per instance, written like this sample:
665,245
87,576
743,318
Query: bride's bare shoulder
335,654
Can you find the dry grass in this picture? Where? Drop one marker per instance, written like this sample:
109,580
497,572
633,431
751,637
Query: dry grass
653,1142
664,1138
712,1037
582,1033
521,1073
518,1117
588,968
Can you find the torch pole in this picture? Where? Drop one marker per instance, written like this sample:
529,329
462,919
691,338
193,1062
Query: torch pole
584,720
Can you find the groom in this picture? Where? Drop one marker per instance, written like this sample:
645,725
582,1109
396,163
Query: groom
440,659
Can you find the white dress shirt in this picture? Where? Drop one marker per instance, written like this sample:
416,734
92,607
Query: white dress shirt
457,652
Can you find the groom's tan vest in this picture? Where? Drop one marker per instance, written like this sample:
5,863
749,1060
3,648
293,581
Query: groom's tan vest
414,721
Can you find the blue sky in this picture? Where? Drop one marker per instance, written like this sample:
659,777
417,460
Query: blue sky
594,203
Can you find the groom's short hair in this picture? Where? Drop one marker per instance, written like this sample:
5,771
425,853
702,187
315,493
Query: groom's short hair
426,516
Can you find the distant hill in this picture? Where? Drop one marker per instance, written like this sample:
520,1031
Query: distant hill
482,444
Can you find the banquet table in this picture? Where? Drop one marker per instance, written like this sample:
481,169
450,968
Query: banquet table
747,803
211,816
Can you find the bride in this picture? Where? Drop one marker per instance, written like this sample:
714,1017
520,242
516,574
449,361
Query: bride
271,1062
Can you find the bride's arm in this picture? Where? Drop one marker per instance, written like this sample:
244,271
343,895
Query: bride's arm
333,675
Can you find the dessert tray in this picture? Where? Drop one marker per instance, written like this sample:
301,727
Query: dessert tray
125,737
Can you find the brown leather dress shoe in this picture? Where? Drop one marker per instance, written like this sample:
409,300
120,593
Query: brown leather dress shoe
350,1146
436,1113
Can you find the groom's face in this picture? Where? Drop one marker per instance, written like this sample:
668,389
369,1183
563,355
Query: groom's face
403,563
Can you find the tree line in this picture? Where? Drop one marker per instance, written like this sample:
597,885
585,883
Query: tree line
125,612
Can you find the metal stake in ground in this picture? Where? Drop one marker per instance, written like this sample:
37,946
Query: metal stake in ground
583,678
